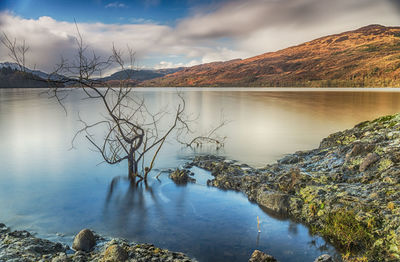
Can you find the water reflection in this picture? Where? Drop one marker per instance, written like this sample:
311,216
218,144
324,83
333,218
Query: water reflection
207,223
48,189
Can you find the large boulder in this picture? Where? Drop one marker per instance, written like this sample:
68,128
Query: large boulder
274,201
115,253
84,241
259,256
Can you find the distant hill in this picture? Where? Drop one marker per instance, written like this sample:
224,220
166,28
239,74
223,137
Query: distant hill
141,74
14,78
38,73
12,75
135,77
369,56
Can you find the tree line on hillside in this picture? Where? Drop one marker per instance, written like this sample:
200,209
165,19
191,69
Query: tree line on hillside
13,78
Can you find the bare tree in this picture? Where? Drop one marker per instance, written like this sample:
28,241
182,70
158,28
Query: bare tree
211,136
132,132
17,51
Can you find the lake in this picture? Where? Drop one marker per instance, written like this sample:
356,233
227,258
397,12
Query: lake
47,188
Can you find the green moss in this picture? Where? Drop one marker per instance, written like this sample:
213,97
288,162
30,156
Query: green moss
307,194
384,119
344,230
363,124
354,163
379,150
384,164
345,140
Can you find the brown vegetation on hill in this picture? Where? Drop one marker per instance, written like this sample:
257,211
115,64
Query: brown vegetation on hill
366,57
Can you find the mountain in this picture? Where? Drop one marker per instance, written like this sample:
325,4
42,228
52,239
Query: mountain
139,75
369,56
12,77
38,73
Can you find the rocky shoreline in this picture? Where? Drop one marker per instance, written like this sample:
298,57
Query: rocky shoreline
22,246
347,190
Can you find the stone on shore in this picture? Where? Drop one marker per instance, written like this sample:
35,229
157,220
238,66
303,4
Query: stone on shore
369,160
3,228
181,176
21,246
324,258
259,256
62,257
115,253
275,201
84,240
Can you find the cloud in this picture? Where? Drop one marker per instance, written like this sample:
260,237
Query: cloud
169,64
115,5
257,26
50,39
141,21
241,18
222,31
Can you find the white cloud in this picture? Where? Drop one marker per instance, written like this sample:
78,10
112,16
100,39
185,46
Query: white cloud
141,21
49,39
115,5
169,64
235,29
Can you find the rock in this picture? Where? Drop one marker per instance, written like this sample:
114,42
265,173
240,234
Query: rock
290,159
275,201
115,253
259,256
356,150
369,160
3,228
62,257
84,241
324,258
21,246
181,176
396,157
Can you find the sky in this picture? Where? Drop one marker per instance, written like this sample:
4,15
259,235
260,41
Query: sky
176,33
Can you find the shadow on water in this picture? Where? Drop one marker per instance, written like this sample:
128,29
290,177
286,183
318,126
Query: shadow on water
207,223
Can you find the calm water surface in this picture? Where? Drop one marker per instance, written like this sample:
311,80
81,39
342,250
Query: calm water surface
46,188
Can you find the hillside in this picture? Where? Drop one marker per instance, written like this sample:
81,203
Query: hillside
130,77
141,75
369,56
13,78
